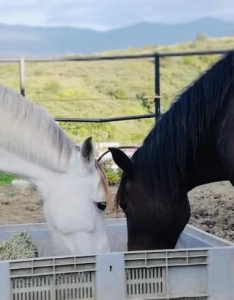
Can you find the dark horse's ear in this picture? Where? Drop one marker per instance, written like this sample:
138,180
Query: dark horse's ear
121,160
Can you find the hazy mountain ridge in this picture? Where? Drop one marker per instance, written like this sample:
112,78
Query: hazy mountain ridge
27,40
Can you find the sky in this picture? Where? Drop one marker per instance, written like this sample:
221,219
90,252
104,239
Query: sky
110,14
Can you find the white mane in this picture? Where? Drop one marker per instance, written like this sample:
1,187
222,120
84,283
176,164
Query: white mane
30,132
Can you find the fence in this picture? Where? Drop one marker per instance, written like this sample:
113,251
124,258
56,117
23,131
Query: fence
155,56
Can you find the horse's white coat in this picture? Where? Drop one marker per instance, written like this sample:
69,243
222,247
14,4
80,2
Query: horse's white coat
32,145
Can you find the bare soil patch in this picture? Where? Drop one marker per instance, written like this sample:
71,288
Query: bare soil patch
212,207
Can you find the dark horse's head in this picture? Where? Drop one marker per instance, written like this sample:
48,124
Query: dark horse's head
179,153
152,223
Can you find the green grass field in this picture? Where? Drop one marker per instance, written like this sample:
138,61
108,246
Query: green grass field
111,88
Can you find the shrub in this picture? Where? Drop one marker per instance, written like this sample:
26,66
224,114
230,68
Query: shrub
113,176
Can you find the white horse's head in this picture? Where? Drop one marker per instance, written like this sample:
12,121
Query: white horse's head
73,185
76,204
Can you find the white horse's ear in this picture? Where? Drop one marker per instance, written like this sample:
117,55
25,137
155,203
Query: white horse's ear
87,151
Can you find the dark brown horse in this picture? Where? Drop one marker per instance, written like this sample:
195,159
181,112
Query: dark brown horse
191,144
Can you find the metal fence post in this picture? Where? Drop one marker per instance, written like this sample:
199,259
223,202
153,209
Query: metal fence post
157,85
21,73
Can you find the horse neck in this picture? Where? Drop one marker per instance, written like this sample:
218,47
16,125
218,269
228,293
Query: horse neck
212,163
44,179
207,166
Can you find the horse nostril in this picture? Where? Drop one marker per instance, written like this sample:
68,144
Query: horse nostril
101,205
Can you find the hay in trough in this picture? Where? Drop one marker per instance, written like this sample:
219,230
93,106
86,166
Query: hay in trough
20,246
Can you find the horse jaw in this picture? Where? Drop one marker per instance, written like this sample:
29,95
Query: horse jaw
68,201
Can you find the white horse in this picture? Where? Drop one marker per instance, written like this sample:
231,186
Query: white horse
71,182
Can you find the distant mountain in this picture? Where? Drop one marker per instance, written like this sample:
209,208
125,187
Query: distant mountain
27,40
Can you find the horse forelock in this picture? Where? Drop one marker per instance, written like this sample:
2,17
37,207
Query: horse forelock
163,156
30,132
119,192
103,177
124,178
103,180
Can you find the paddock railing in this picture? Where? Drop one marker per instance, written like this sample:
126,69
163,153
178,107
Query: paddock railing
157,78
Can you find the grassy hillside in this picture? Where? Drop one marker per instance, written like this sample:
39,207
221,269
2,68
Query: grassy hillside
111,88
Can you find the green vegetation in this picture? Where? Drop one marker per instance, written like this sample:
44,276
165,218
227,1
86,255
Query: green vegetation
111,88
6,178
113,176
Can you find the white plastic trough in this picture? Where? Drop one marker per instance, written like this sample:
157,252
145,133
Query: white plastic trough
201,267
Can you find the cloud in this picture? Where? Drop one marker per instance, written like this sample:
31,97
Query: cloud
26,12
107,14
18,2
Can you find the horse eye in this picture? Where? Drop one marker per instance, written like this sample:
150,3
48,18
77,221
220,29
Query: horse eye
101,205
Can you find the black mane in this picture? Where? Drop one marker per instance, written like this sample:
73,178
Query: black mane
161,161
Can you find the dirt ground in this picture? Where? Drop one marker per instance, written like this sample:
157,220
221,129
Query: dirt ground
212,207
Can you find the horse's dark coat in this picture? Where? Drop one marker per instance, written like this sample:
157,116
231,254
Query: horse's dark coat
191,144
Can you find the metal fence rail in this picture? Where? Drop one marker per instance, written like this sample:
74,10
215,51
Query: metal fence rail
156,56
104,120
